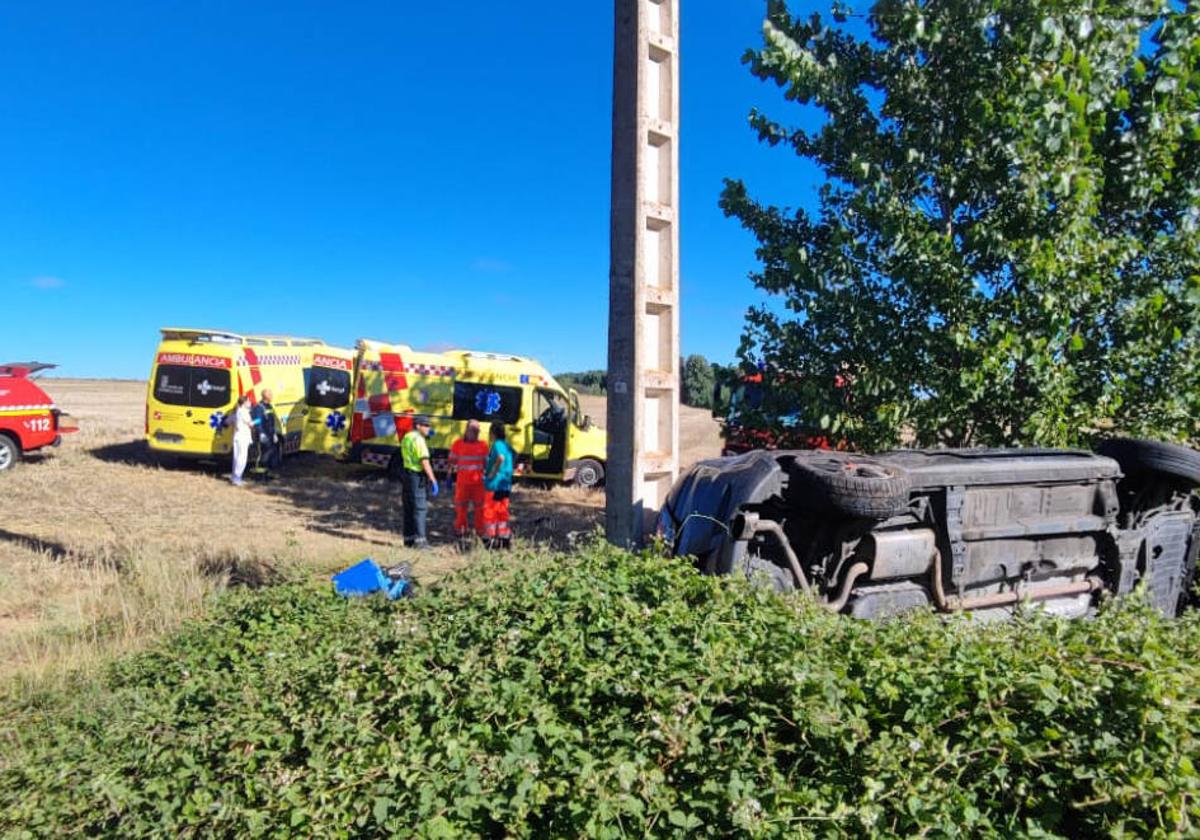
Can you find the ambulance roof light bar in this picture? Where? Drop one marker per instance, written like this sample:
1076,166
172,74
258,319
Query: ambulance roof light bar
375,344
200,336
483,354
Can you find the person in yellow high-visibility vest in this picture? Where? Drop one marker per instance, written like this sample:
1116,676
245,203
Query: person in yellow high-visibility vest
418,481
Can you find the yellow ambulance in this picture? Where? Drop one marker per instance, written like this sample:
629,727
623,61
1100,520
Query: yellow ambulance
198,374
551,437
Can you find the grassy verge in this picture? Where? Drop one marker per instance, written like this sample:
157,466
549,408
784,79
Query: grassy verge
68,614
605,695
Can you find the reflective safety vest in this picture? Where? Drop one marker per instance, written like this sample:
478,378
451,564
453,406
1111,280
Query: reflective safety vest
413,450
466,460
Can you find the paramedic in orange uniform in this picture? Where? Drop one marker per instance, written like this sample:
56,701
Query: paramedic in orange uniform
467,456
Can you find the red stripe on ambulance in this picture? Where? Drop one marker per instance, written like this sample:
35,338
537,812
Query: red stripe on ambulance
393,368
255,373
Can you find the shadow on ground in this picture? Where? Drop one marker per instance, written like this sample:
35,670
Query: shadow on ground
343,505
135,453
346,500
56,550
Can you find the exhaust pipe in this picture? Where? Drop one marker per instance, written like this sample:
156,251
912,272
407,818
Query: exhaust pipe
955,603
750,525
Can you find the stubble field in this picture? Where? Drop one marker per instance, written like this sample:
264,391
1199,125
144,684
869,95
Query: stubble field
102,550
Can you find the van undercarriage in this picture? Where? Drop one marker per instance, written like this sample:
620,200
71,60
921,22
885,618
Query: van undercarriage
982,530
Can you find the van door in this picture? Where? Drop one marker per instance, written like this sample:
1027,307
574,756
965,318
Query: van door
189,400
327,399
550,413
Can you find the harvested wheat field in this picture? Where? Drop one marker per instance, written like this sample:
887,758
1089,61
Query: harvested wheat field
101,549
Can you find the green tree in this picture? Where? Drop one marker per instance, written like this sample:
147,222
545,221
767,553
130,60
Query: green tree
698,382
586,381
1006,246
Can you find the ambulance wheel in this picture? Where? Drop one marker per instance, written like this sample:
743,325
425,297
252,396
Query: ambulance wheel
589,473
10,453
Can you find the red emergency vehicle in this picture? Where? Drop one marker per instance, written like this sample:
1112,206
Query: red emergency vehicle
757,418
29,419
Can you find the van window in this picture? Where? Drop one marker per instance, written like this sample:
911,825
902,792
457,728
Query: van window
486,403
191,386
549,410
328,388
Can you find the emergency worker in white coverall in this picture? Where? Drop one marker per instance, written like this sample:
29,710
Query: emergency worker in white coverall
243,424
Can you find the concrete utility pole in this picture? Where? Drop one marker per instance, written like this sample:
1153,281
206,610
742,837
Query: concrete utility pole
643,297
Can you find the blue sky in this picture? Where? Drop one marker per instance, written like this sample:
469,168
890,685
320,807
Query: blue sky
389,170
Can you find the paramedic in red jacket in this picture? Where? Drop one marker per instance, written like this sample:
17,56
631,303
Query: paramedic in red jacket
467,456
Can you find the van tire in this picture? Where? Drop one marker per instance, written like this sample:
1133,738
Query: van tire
1138,457
851,484
589,473
762,572
10,453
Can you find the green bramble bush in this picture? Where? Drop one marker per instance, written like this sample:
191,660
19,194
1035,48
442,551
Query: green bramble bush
609,695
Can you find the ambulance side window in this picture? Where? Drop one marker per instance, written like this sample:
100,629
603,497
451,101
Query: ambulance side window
328,388
486,403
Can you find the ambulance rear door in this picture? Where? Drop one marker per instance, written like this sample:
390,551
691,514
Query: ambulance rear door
189,396
329,397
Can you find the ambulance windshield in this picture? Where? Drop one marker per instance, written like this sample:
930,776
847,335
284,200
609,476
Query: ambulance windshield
192,386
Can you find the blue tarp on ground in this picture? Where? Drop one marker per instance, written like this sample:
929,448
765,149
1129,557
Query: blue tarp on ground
365,578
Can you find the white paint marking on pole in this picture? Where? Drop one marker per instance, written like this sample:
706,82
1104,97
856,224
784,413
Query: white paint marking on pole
643,318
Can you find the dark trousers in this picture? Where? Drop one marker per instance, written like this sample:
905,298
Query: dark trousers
416,505
268,455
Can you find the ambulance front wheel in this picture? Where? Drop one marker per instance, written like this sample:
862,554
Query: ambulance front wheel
589,473
10,453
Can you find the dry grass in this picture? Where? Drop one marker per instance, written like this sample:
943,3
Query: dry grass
102,550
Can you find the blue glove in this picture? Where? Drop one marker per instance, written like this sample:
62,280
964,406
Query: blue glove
433,489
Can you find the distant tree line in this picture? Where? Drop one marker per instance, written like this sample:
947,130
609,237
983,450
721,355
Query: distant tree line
593,382
704,384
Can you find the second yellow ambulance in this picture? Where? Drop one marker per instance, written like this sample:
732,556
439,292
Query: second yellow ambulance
551,437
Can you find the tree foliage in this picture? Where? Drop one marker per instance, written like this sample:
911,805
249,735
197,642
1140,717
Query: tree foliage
698,382
1006,247
585,381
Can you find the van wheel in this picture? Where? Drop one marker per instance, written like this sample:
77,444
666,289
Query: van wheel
851,484
762,572
1141,456
10,453
589,473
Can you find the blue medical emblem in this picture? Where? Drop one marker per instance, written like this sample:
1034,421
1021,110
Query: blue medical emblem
216,420
487,402
524,378
336,422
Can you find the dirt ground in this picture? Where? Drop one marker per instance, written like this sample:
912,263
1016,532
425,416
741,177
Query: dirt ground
97,542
